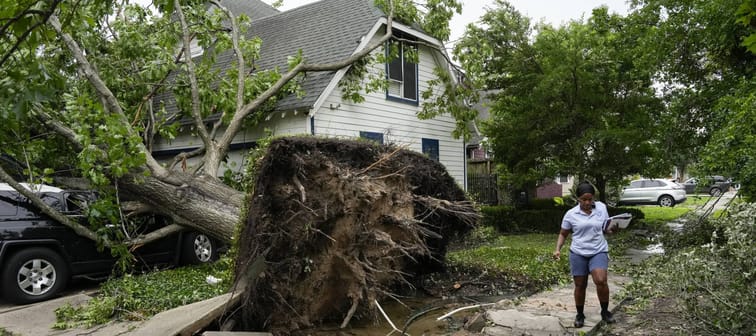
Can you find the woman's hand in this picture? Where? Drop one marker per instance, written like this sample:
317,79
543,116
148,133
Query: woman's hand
557,254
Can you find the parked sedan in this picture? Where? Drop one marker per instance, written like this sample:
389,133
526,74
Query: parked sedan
653,191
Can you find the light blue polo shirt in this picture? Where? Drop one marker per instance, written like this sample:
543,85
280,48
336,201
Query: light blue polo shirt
587,230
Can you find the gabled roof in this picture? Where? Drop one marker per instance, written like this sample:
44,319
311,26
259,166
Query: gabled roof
326,31
255,9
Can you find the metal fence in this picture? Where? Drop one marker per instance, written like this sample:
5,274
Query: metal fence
483,188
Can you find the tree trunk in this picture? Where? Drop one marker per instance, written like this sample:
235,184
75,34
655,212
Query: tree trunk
199,202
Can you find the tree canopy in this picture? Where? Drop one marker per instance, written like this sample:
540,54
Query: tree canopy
569,100
610,96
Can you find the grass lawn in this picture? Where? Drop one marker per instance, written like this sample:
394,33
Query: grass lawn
526,256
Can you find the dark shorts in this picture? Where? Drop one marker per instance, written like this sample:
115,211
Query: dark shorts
582,266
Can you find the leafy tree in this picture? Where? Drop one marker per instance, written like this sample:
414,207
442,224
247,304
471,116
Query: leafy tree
567,100
705,72
77,80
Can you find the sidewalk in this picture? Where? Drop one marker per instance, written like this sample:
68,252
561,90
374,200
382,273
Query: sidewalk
39,319
550,313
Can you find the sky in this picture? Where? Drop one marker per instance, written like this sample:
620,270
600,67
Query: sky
555,12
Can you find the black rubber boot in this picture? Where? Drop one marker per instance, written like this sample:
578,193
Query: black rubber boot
607,317
579,320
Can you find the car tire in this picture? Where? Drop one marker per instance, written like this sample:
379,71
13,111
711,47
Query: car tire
666,201
198,248
716,192
33,275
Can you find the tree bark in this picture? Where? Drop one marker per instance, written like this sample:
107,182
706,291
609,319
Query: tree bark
201,203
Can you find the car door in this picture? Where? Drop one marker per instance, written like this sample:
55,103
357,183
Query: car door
633,192
652,189
690,186
163,251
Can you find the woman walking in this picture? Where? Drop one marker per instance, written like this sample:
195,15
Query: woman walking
589,251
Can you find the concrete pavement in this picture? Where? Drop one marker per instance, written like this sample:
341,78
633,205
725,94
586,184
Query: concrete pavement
549,313
38,320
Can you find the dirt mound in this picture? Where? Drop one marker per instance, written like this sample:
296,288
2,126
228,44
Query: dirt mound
340,224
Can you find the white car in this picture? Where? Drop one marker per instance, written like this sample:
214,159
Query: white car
653,191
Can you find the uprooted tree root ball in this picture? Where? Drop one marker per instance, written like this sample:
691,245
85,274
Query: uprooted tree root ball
341,224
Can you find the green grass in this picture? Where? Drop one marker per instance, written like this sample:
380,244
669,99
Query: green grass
526,256
696,201
138,297
663,214
4,332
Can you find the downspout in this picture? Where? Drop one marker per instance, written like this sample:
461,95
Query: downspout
464,164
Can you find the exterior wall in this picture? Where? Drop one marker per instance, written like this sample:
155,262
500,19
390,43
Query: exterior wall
397,121
289,123
549,190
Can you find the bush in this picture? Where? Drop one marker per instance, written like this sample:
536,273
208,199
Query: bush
507,219
694,233
714,282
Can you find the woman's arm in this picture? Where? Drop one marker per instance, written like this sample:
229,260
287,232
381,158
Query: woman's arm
560,242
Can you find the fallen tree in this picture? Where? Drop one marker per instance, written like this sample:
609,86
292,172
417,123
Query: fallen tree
340,224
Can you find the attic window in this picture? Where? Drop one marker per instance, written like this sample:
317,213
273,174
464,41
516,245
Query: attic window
401,69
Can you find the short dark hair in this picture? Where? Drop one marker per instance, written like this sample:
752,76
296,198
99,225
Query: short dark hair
585,187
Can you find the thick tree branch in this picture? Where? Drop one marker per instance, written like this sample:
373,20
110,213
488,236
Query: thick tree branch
58,127
75,226
181,157
155,235
46,209
236,122
192,73
104,92
240,64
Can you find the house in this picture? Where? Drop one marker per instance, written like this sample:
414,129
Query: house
331,30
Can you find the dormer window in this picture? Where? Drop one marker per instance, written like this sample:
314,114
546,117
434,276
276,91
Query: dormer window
402,69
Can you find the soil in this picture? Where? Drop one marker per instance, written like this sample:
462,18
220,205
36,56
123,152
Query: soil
340,224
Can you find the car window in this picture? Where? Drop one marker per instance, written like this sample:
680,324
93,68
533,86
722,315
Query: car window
636,184
77,203
7,204
652,184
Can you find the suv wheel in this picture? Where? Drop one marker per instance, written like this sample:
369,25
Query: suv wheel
716,192
666,201
198,248
33,275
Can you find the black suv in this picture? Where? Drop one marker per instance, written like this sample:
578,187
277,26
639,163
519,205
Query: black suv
38,255
712,185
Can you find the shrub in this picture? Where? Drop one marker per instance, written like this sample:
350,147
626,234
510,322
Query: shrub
544,203
507,219
714,282
694,233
